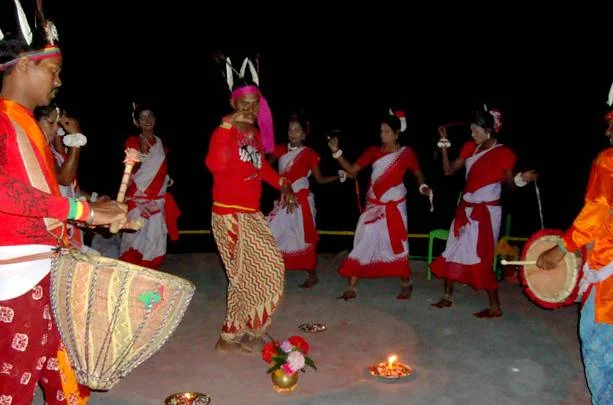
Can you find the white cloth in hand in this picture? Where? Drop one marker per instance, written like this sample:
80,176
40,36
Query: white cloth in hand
444,143
519,180
74,140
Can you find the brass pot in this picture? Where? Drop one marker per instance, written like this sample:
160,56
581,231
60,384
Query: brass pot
188,398
282,382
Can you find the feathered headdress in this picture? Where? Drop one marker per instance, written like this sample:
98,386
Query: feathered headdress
248,82
48,32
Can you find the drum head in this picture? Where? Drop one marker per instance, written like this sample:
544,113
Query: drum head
550,288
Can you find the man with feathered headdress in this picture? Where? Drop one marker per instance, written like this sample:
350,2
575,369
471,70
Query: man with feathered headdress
32,219
253,263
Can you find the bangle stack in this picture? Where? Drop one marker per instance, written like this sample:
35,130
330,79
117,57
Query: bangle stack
79,210
444,143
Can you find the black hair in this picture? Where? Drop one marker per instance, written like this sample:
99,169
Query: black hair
392,121
302,121
44,111
142,107
484,119
11,46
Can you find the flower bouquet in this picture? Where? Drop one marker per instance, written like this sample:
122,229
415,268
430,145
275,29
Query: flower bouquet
286,359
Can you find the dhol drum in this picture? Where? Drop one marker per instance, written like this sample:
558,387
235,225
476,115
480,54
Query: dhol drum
553,288
112,315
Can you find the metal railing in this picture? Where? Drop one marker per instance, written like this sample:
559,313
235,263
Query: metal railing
346,233
351,233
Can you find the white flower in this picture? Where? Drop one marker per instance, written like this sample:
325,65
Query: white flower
286,346
295,360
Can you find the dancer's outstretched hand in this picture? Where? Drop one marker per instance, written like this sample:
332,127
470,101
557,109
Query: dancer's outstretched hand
288,198
333,144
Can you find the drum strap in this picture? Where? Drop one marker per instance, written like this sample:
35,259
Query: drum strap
29,258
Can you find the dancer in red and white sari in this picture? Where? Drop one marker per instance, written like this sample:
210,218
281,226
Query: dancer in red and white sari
67,161
469,255
148,199
295,231
380,247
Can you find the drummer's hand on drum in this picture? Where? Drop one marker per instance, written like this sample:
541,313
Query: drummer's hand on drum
109,212
549,259
104,198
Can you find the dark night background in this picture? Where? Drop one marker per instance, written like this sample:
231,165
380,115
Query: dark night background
537,69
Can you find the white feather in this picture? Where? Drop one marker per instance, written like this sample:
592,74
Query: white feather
1,35
133,116
243,67
23,23
610,101
252,70
51,33
229,73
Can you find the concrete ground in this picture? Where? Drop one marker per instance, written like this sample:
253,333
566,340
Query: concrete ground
529,356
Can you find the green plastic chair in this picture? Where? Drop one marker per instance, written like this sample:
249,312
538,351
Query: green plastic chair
506,233
442,234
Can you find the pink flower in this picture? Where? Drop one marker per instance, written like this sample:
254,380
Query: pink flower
286,346
497,119
287,369
295,360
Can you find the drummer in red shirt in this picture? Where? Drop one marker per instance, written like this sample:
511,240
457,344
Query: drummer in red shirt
33,218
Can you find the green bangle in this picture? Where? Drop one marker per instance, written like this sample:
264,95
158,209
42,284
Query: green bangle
72,212
561,246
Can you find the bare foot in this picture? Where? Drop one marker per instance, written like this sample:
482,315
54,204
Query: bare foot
349,294
488,313
310,281
223,346
405,292
443,303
